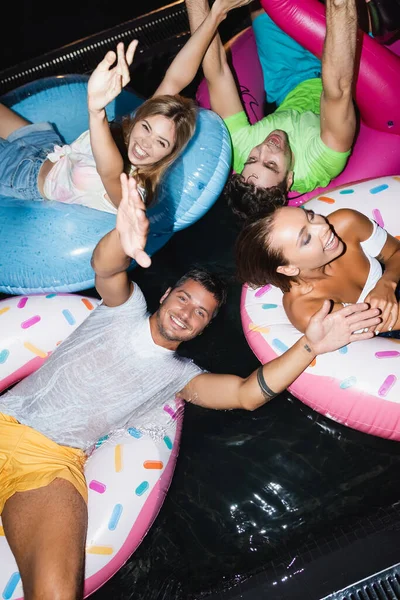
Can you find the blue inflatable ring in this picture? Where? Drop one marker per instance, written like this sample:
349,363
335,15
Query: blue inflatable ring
47,246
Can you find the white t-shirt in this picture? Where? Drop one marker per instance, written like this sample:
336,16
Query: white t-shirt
108,374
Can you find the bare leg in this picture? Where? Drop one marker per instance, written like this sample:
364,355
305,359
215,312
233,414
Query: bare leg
10,121
46,530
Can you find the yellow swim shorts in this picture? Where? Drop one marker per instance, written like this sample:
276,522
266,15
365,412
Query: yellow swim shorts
30,460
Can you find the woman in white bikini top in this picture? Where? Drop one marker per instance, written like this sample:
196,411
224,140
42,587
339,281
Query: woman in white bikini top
312,258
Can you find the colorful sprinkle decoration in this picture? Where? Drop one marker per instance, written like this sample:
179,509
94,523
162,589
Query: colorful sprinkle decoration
97,486
378,189
348,383
263,290
30,322
168,442
387,385
99,549
22,302
115,517
11,585
142,488
153,464
4,354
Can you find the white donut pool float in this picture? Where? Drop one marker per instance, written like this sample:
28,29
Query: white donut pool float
128,474
358,385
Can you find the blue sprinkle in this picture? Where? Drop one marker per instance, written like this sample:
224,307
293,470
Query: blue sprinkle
349,382
115,517
378,188
101,441
267,306
134,432
142,488
343,350
280,346
348,191
4,354
51,295
168,442
11,585
68,316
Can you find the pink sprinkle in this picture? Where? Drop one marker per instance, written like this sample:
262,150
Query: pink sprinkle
262,291
387,354
376,213
22,302
387,385
30,322
170,411
97,486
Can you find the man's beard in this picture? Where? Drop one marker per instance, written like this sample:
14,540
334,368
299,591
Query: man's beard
164,333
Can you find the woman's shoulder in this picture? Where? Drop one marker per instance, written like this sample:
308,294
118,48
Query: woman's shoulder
344,216
301,303
350,224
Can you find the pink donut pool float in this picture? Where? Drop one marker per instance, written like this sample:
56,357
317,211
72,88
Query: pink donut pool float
358,385
376,151
128,474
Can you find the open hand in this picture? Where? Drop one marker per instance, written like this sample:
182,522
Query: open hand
132,222
328,331
106,83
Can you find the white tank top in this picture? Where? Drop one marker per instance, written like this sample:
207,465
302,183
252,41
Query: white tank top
372,247
74,178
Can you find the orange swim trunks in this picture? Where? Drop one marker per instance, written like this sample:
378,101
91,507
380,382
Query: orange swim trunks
30,460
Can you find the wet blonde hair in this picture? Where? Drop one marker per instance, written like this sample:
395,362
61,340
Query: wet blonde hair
182,111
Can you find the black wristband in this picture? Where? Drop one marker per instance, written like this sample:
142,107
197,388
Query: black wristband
267,392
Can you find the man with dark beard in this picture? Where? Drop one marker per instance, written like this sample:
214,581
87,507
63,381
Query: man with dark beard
115,369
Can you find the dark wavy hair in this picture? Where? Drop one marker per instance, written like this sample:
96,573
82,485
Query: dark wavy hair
256,260
246,199
212,282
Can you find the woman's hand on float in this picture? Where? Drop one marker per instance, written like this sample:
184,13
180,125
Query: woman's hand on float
106,83
328,331
132,222
383,296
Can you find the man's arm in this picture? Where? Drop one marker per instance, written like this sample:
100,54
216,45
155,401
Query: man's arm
114,252
338,120
224,96
325,333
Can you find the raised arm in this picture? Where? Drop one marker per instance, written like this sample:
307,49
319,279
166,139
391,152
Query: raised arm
325,333
114,252
338,120
224,96
105,84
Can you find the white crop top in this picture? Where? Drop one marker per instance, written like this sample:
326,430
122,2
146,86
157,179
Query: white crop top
372,247
74,178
